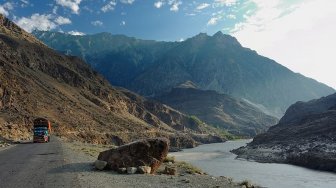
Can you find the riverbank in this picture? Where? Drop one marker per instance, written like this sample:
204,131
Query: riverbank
81,157
314,154
217,160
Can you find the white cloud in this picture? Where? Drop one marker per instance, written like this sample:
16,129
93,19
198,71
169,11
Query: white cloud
36,21
174,5
213,21
73,5
202,6
109,6
190,14
25,1
3,11
231,16
62,20
55,9
302,39
44,22
127,1
158,4
5,8
76,33
97,23
227,2
8,6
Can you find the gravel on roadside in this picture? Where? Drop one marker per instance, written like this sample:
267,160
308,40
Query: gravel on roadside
82,164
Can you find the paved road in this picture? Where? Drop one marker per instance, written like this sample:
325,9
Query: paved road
35,165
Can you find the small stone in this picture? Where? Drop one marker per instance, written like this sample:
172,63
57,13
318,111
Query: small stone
144,169
186,180
170,170
131,170
100,165
122,170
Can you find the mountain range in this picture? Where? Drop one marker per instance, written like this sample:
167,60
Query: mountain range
217,62
36,81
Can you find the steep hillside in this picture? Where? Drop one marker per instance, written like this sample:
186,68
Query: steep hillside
305,136
215,62
35,81
119,58
219,110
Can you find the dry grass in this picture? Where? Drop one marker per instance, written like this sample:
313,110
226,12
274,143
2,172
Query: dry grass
89,149
188,168
169,159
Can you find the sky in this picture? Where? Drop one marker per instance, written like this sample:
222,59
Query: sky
299,34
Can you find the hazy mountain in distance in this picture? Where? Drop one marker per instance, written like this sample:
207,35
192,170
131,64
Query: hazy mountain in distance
219,110
215,62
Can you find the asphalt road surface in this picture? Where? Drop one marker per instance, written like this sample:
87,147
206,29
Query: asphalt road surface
35,165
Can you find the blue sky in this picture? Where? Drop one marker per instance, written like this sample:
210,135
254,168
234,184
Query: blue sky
147,19
300,34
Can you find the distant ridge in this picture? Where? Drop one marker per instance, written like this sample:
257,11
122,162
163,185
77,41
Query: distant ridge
219,110
217,62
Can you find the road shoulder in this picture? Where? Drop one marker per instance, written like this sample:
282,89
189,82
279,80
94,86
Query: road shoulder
82,162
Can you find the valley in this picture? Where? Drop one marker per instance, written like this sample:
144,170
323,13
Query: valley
129,112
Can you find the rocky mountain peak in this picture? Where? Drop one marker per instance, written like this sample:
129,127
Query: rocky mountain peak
201,36
218,34
225,39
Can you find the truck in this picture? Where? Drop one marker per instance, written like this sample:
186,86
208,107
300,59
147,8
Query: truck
42,130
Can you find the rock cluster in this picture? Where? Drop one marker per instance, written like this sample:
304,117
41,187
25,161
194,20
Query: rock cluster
305,136
170,170
143,156
2,145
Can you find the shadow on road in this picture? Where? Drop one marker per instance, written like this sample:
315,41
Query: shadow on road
24,142
73,167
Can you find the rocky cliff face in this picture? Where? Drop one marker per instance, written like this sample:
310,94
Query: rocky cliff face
219,110
35,81
305,136
215,62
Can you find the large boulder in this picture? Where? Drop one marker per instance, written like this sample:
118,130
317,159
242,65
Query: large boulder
148,152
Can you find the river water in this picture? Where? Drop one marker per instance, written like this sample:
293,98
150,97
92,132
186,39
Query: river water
217,160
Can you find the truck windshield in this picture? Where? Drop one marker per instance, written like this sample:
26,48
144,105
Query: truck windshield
40,131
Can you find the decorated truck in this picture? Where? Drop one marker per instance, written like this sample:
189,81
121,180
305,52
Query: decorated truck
42,129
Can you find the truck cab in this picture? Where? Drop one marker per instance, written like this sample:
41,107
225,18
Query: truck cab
42,129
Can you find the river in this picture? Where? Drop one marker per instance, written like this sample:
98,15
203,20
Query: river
217,160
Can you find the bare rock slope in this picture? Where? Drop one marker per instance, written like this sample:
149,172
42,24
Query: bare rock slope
219,110
305,136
